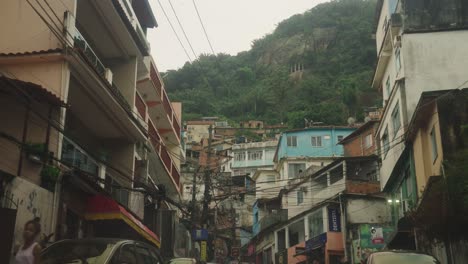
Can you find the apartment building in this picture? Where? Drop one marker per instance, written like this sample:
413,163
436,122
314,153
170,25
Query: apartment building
421,53
91,126
250,157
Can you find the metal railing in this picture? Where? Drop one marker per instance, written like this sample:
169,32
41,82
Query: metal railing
272,219
81,43
76,157
140,105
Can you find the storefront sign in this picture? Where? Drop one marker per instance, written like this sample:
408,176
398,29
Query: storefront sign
200,234
203,251
334,220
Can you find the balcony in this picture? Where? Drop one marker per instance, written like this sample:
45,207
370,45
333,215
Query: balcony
125,10
85,49
160,108
270,220
74,156
163,155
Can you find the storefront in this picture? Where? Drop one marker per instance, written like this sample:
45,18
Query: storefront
112,220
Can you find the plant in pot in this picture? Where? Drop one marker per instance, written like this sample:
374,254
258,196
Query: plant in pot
49,175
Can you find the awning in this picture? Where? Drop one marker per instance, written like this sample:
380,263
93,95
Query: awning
104,208
36,91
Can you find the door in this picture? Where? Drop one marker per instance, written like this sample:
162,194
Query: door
7,229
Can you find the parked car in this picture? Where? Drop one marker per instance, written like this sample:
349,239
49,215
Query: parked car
182,261
401,257
101,251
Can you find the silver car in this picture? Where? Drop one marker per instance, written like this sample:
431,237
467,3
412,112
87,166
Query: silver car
401,257
101,251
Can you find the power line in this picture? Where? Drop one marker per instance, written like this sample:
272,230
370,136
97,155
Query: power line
203,26
182,28
173,30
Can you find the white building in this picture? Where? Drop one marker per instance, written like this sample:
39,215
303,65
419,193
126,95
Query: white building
415,55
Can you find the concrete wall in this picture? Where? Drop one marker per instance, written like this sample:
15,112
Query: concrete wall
367,211
424,165
434,61
380,33
33,201
195,133
396,145
124,77
264,182
25,29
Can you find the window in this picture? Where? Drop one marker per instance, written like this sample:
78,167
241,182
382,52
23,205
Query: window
256,217
368,141
300,197
339,138
255,155
292,141
316,141
396,122
316,223
434,145
397,59
144,256
294,169
385,142
387,87
127,255
239,156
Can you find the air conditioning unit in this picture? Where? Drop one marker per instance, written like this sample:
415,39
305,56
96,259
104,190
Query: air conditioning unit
397,42
303,189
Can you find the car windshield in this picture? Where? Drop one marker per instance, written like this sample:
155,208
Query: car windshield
82,252
402,258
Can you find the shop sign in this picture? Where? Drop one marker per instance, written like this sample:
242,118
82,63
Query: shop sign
200,234
203,251
334,219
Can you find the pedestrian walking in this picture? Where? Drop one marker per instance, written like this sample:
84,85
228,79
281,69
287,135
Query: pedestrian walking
29,252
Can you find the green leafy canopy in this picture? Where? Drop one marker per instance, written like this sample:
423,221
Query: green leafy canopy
333,41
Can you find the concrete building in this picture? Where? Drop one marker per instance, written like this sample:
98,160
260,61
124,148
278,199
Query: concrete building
325,209
198,130
250,157
420,52
415,54
90,122
362,141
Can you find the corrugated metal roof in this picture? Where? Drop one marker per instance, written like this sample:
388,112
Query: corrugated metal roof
28,53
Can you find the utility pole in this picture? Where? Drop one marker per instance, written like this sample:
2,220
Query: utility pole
207,178
194,196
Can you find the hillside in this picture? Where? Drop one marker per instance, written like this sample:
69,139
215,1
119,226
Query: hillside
331,42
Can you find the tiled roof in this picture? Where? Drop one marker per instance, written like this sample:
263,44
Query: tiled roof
27,53
36,91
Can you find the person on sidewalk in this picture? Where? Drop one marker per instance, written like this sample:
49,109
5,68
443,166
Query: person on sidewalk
29,252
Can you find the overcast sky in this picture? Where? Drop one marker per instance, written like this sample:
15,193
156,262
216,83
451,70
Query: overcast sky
232,25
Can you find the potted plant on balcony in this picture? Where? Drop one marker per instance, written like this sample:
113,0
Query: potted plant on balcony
49,175
35,152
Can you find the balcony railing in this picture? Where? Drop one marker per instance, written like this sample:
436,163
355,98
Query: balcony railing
134,23
81,43
140,105
166,159
167,105
270,220
74,156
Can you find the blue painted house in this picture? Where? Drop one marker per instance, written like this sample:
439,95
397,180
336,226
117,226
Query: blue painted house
300,149
312,142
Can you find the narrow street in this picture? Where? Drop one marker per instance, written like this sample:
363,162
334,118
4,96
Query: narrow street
256,132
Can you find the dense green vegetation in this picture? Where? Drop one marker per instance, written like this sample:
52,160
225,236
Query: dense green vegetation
334,43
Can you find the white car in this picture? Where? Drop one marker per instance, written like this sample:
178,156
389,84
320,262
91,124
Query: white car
401,257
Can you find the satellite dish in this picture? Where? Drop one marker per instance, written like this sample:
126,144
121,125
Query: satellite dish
351,121
367,119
